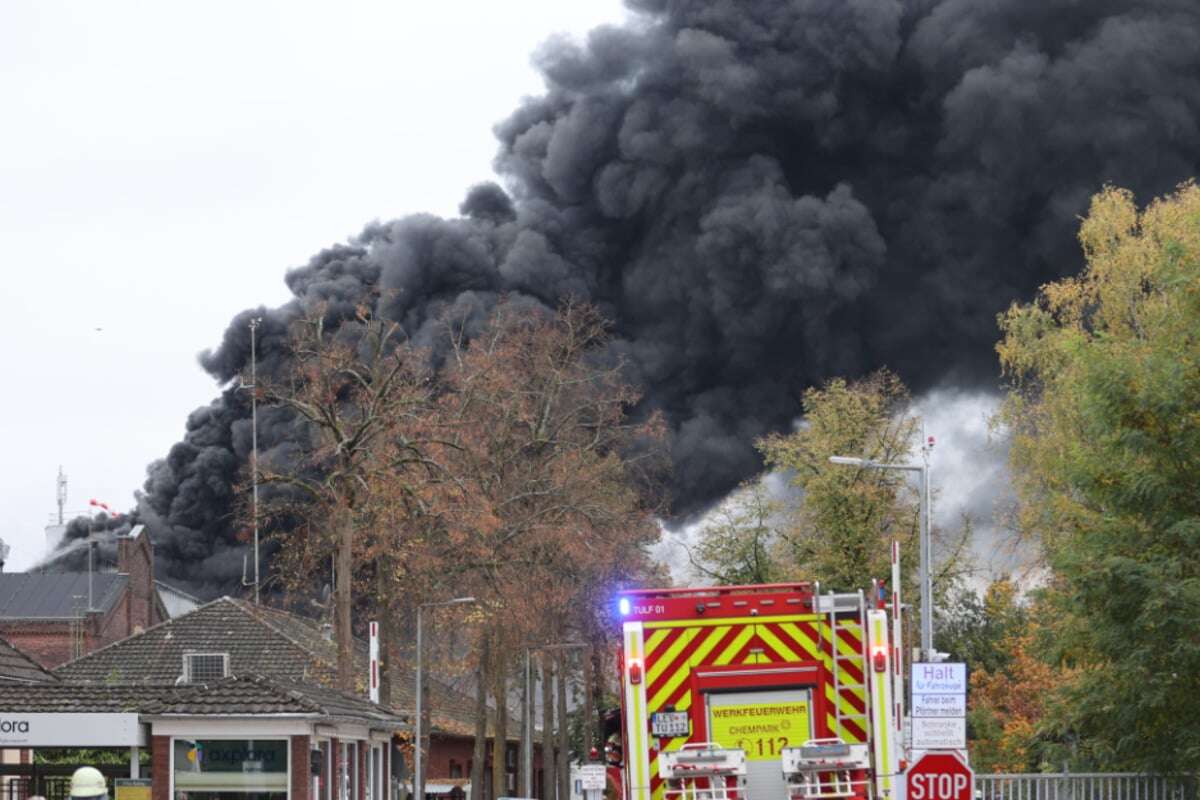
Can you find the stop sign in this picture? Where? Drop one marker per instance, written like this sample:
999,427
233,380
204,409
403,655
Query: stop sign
940,776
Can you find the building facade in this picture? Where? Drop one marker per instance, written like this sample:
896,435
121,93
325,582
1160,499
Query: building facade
235,739
54,617
231,638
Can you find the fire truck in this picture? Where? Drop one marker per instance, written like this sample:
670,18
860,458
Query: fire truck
770,692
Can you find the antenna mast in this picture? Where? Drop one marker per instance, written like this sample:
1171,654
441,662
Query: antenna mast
61,493
253,387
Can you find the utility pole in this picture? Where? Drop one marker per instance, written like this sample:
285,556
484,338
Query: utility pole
925,536
253,387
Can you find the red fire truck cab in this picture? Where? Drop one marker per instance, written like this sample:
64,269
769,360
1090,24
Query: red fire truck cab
773,692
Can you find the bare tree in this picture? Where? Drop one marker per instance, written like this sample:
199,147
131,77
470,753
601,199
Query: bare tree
355,389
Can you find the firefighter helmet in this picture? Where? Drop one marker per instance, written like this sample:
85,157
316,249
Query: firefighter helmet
88,782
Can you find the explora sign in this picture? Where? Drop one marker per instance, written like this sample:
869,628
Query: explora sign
71,730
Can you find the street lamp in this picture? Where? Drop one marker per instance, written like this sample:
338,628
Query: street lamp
418,775
527,711
922,470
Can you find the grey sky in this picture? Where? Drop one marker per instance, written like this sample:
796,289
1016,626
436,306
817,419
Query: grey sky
161,166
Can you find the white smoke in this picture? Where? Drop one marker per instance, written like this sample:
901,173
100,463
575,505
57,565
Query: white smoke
969,473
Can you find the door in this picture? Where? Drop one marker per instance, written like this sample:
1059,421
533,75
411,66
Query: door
761,723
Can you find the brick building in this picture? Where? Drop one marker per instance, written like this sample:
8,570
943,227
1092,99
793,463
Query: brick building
18,668
233,638
225,740
54,616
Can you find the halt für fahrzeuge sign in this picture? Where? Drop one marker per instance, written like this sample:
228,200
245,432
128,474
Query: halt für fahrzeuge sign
939,706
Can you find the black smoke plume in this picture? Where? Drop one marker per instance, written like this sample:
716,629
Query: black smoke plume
760,194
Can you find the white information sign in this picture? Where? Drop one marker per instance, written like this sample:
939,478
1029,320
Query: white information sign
939,733
70,730
592,776
939,705
939,678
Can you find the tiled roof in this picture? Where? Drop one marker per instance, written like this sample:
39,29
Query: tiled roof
155,656
260,641
255,695
55,697
250,696
16,667
53,595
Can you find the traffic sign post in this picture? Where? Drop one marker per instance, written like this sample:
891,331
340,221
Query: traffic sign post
940,776
939,707
592,780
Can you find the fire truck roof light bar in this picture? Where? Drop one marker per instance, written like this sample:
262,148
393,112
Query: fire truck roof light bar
764,588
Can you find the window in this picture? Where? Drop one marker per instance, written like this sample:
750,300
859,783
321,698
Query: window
230,769
375,769
327,775
205,667
347,771
455,769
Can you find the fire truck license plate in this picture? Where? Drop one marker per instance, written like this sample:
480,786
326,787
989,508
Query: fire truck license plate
669,723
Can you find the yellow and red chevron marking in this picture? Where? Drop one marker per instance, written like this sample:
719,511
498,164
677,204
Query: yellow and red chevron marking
674,649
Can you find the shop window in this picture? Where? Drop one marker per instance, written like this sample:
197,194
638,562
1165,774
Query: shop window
230,769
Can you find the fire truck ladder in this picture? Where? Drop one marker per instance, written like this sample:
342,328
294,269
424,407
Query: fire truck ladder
836,606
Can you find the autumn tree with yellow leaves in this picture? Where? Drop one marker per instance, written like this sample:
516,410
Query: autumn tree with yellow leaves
1104,410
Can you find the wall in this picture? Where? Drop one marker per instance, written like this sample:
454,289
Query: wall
301,776
46,642
447,751
160,767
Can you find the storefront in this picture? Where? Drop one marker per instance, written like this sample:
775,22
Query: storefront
238,739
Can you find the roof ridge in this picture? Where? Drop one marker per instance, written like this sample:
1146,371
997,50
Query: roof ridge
164,623
262,619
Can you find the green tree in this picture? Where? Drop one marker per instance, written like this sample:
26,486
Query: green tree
972,628
840,533
1104,409
734,546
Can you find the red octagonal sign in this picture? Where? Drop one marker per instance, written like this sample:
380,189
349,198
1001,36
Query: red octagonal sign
940,776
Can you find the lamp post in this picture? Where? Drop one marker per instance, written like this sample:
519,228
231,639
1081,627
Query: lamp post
418,774
527,711
922,470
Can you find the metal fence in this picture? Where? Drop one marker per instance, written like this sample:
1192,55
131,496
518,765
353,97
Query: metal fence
52,787
1084,786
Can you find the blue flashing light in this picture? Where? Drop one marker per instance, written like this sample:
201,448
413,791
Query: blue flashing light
624,607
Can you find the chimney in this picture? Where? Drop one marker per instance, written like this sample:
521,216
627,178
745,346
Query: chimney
135,558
